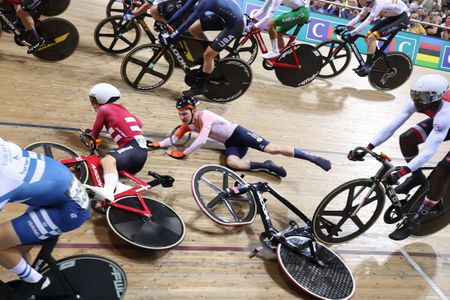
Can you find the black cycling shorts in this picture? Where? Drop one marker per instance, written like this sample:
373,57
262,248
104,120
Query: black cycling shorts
423,129
212,22
169,7
130,158
445,162
228,34
241,139
30,5
391,24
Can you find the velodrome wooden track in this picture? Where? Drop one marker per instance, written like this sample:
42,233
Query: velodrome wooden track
44,101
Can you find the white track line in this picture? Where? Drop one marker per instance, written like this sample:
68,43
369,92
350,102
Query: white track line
425,276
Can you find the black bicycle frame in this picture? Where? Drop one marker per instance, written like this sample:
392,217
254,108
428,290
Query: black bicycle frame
144,26
8,22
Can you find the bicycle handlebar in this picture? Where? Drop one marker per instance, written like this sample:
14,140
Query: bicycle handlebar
90,142
383,158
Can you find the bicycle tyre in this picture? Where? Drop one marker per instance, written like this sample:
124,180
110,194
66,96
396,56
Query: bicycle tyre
330,217
92,277
308,61
53,8
61,39
334,280
141,61
164,231
338,51
381,79
240,210
229,80
114,8
79,169
116,41
247,52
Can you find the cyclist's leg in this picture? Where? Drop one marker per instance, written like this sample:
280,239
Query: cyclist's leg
23,12
438,185
287,21
207,22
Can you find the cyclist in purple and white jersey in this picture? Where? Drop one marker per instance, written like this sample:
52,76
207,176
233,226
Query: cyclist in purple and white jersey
56,200
430,95
236,139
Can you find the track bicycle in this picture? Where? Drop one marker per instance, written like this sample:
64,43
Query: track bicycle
226,199
141,221
116,7
149,66
389,70
78,277
61,37
353,207
297,65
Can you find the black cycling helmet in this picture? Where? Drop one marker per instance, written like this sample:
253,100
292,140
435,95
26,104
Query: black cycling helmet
186,102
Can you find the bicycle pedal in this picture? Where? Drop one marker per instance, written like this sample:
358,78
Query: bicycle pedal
256,251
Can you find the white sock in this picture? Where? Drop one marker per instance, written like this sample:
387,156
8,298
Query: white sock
274,45
111,180
26,272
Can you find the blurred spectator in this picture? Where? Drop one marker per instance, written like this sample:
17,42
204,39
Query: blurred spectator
350,13
317,6
428,5
334,10
421,12
433,30
416,28
414,5
446,33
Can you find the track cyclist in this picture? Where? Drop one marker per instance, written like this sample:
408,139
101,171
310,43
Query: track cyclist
394,14
282,23
57,202
125,129
232,19
236,138
430,95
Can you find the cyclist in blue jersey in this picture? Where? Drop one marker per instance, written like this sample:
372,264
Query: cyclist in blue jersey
230,16
57,202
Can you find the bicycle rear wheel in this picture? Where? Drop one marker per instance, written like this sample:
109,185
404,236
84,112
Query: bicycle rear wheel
53,8
336,56
247,52
331,279
333,221
61,152
164,229
61,39
147,67
114,8
115,35
230,79
306,61
207,183
92,277
390,70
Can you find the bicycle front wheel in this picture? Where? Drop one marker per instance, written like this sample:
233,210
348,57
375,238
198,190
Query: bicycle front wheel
390,70
325,276
208,182
91,277
60,152
247,51
115,35
348,211
336,57
147,67
164,229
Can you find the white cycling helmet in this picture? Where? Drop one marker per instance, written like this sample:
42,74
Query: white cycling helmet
104,93
427,90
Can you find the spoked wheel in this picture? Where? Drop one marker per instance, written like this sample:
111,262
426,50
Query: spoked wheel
207,184
437,219
164,229
230,79
247,52
302,65
336,56
337,219
61,39
87,275
115,35
147,67
390,70
115,7
327,278
53,8
61,152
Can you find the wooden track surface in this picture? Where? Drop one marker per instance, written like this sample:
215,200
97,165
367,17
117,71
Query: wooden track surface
48,101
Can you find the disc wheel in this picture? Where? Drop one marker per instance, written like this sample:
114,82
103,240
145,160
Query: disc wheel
164,229
390,70
337,219
53,8
302,65
115,35
208,182
147,67
336,56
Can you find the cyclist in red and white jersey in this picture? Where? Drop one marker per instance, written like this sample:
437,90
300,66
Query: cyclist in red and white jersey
125,129
430,95
236,138
394,15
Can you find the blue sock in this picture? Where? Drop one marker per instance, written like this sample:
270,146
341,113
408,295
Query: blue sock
257,165
303,155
